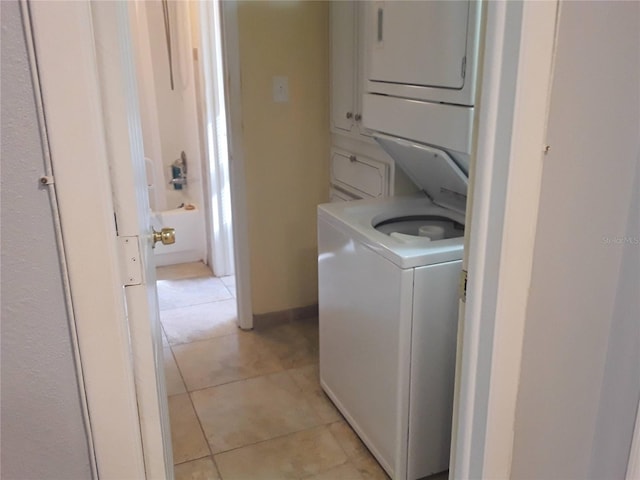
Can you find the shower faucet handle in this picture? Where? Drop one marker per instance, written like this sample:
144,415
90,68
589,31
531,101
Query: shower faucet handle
178,181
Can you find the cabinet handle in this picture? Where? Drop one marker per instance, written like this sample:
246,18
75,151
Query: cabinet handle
349,115
358,117
353,158
380,31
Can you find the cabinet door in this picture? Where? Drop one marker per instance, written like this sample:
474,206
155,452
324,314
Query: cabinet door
356,173
359,66
343,64
418,43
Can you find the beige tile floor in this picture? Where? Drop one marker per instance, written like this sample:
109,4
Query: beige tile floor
247,405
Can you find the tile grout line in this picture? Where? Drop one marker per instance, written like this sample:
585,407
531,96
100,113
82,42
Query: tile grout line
271,352
195,411
229,334
284,369
245,378
192,265
234,381
204,434
184,383
339,443
321,423
179,371
161,310
304,396
349,457
191,460
228,289
201,340
177,279
164,336
198,303
269,348
277,437
212,455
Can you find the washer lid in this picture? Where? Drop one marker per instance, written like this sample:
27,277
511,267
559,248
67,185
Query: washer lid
431,169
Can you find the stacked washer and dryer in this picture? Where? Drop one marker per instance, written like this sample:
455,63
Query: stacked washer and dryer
389,268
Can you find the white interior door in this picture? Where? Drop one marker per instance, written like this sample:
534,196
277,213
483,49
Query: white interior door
116,69
86,74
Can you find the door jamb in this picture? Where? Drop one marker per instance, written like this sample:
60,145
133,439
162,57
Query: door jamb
214,141
516,84
233,92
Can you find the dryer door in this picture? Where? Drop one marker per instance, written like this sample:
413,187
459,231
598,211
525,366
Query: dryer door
419,43
422,50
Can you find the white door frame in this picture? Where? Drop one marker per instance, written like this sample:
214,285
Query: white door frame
516,83
239,212
214,132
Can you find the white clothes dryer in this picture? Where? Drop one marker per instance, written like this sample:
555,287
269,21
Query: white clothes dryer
388,275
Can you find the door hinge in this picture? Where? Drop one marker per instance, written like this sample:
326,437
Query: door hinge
130,261
462,287
464,66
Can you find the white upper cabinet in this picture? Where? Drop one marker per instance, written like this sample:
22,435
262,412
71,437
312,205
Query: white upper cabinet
358,165
343,65
425,50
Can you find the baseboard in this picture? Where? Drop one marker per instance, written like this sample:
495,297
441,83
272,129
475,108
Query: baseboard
270,319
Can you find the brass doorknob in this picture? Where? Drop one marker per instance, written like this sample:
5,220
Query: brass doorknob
167,236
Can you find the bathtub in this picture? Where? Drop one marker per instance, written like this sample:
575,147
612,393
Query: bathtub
190,243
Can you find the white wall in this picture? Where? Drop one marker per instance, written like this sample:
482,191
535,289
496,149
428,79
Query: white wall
580,378
177,111
170,123
43,433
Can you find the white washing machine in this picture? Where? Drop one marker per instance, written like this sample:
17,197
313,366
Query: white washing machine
388,302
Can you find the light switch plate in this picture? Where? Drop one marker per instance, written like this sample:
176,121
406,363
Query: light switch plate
280,89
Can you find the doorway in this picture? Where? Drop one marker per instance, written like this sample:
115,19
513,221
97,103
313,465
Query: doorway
236,395
177,49
183,117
